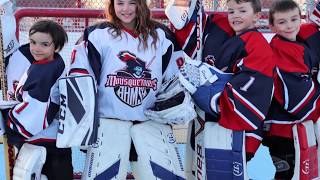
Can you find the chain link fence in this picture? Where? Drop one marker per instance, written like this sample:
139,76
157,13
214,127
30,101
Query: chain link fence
219,5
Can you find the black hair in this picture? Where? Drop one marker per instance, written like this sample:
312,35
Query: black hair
56,31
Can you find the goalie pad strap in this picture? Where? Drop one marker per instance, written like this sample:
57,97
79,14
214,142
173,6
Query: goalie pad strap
29,163
306,158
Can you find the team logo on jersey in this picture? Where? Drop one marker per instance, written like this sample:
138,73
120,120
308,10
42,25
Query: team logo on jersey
132,83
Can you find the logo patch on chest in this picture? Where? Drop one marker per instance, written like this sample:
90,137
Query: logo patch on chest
132,83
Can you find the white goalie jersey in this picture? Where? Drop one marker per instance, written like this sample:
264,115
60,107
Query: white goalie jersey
127,78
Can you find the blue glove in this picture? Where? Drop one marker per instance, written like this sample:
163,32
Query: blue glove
206,97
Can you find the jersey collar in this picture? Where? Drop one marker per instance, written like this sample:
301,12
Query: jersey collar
131,32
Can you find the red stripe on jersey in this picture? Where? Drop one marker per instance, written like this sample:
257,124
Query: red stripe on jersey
278,89
303,139
41,140
305,102
315,115
252,144
240,99
307,30
281,130
45,123
229,118
20,128
22,107
78,70
259,53
221,20
182,35
44,61
73,55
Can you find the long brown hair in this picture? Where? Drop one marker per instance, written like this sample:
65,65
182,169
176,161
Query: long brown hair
144,24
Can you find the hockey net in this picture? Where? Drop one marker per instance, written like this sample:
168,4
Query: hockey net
76,15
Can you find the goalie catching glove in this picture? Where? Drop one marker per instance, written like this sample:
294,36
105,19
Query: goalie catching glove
194,74
173,105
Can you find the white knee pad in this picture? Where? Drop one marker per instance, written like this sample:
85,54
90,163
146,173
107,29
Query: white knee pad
158,156
29,163
306,157
109,158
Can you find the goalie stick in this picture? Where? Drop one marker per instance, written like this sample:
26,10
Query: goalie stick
9,154
199,122
195,151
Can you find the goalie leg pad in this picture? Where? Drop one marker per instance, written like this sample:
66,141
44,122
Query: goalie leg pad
158,156
29,162
77,120
306,157
224,152
109,158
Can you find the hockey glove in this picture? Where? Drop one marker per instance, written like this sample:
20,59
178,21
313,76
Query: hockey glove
196,73
315,16
172,106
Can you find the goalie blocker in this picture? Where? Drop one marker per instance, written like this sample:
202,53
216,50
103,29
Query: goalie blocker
77,121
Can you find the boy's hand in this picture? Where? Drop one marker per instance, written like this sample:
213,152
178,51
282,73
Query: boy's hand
315,16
